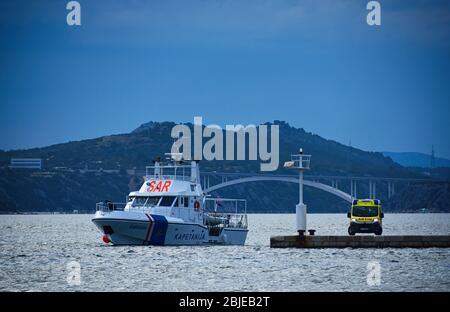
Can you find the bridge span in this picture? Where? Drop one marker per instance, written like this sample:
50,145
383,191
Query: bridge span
345,187
317,185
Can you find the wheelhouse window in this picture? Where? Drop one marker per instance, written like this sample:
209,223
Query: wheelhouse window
167,201
139,201
182,201
152,201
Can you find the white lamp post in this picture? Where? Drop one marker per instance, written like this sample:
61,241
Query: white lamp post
299,162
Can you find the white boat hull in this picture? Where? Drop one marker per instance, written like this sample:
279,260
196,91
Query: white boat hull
134,228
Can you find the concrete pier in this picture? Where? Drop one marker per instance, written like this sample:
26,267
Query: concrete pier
360,241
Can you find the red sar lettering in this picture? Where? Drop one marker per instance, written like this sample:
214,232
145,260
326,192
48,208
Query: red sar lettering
159,187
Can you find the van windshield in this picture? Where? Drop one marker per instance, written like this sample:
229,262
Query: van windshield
364,211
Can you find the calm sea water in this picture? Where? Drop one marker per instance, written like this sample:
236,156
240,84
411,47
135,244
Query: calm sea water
35,252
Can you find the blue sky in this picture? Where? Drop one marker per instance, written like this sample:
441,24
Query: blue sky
314,64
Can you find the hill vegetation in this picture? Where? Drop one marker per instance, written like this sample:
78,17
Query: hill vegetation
79,174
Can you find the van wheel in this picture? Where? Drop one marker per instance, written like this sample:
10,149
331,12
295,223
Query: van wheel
379,231
351,231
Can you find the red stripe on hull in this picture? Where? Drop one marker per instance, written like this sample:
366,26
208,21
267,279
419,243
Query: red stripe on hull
150,223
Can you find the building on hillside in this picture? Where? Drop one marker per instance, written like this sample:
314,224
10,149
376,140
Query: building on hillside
26,163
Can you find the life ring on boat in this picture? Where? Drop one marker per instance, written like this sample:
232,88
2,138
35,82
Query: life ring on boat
196,205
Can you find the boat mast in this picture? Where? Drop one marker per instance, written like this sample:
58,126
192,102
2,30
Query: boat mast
195,172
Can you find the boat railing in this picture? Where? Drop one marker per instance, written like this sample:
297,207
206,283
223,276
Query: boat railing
168,177
228,220
107,206
226,212
168,172
226,205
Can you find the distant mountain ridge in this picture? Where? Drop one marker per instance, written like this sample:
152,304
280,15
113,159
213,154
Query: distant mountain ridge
65,184
139,147
413,159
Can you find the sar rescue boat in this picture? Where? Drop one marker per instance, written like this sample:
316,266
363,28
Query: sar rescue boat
171,208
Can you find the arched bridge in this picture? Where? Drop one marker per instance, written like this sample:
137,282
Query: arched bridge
317,185
344,187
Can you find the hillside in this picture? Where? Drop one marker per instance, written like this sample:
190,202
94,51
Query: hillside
64,187
411,159
141,146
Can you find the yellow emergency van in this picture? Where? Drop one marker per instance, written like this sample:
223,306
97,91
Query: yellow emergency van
365,217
